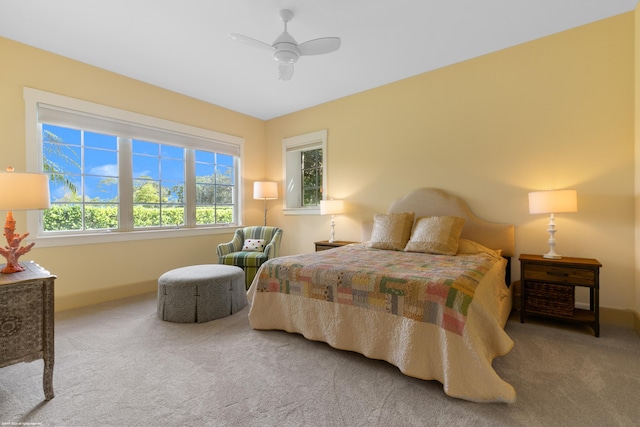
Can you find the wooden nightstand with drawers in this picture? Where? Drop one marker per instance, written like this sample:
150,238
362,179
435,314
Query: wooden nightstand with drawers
325,244
548,288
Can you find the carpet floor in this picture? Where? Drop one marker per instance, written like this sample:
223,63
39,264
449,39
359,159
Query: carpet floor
117,364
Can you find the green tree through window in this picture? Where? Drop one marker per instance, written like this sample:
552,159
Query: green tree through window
85,177
311,162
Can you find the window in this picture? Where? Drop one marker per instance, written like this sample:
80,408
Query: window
117,171
83,179
304,172
158,184
311,163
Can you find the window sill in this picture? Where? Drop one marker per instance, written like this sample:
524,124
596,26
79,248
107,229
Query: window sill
302,211
126,236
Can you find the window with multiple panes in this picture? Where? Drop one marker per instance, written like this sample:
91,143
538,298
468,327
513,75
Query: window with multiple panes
113,170
311,185
83,184
304,172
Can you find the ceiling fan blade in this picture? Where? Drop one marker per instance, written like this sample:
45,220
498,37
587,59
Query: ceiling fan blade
319,46
285,71
251,42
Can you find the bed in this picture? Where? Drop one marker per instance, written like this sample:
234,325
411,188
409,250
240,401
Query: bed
437,312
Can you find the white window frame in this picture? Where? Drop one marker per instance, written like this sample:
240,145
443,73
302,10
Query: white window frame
291,161
199,138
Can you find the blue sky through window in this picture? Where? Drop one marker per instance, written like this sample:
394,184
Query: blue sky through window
152,161
63,150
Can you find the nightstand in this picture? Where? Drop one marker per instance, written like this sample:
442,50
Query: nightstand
548,288
325,244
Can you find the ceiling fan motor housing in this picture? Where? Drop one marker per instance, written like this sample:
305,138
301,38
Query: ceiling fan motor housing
286,53
286,48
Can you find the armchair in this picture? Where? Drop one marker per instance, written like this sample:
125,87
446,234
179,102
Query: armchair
232,253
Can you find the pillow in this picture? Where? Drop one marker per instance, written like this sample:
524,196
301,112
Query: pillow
436,235
253,245
391,231
469,247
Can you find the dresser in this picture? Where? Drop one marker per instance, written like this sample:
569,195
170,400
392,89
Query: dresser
26,320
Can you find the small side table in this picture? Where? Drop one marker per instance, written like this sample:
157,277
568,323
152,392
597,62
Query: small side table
26,320
548,288
324,245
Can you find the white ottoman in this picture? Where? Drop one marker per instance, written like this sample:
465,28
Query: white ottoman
200,293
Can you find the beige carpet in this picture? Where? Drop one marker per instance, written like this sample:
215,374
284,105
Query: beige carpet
117,364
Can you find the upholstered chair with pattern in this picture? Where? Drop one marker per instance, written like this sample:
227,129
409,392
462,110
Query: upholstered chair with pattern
250,248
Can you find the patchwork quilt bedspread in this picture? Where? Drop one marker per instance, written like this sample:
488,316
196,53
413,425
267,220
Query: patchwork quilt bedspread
435,317
436,289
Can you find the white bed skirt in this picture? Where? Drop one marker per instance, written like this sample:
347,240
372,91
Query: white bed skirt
463,364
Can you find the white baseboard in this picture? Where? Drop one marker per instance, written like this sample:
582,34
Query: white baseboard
68,302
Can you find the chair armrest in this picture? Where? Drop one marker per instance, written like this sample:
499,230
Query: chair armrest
234,245
272,249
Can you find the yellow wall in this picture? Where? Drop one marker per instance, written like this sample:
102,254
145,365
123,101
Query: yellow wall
637,168
553,113
557,112
92,273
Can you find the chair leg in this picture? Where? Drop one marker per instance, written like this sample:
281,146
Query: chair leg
249,275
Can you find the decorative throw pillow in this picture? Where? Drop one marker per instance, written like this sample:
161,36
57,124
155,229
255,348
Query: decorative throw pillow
469,247
253,245
391,231
436,235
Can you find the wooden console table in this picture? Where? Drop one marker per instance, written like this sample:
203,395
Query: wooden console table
26,320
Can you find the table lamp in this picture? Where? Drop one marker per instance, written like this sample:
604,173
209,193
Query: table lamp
552,202
20,191
332,207
265,190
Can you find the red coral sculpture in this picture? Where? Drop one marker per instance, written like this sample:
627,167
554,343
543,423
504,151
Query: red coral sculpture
13,251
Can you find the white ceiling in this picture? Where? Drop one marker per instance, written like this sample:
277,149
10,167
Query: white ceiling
182,45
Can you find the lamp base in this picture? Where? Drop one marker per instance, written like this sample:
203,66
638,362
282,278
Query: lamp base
12,267
552,241
333,230
13,251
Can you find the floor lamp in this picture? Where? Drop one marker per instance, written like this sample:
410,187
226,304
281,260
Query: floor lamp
20,191
552,202
265,190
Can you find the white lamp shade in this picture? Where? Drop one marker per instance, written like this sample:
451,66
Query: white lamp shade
23,191
553,201
331,207
265,190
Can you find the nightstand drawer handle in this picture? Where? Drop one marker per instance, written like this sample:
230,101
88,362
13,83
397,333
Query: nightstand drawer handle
554,273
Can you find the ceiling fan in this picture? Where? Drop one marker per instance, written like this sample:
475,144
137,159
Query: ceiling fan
285,48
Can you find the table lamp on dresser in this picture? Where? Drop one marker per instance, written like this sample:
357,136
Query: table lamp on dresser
20,191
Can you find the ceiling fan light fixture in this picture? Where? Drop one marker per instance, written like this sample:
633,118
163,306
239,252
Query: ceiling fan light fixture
286,49
286,56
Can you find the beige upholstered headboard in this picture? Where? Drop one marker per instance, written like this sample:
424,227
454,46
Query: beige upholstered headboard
434,202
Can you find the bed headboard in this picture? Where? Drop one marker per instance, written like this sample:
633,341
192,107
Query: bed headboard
435,202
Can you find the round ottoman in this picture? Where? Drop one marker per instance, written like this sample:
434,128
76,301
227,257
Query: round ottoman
200,293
